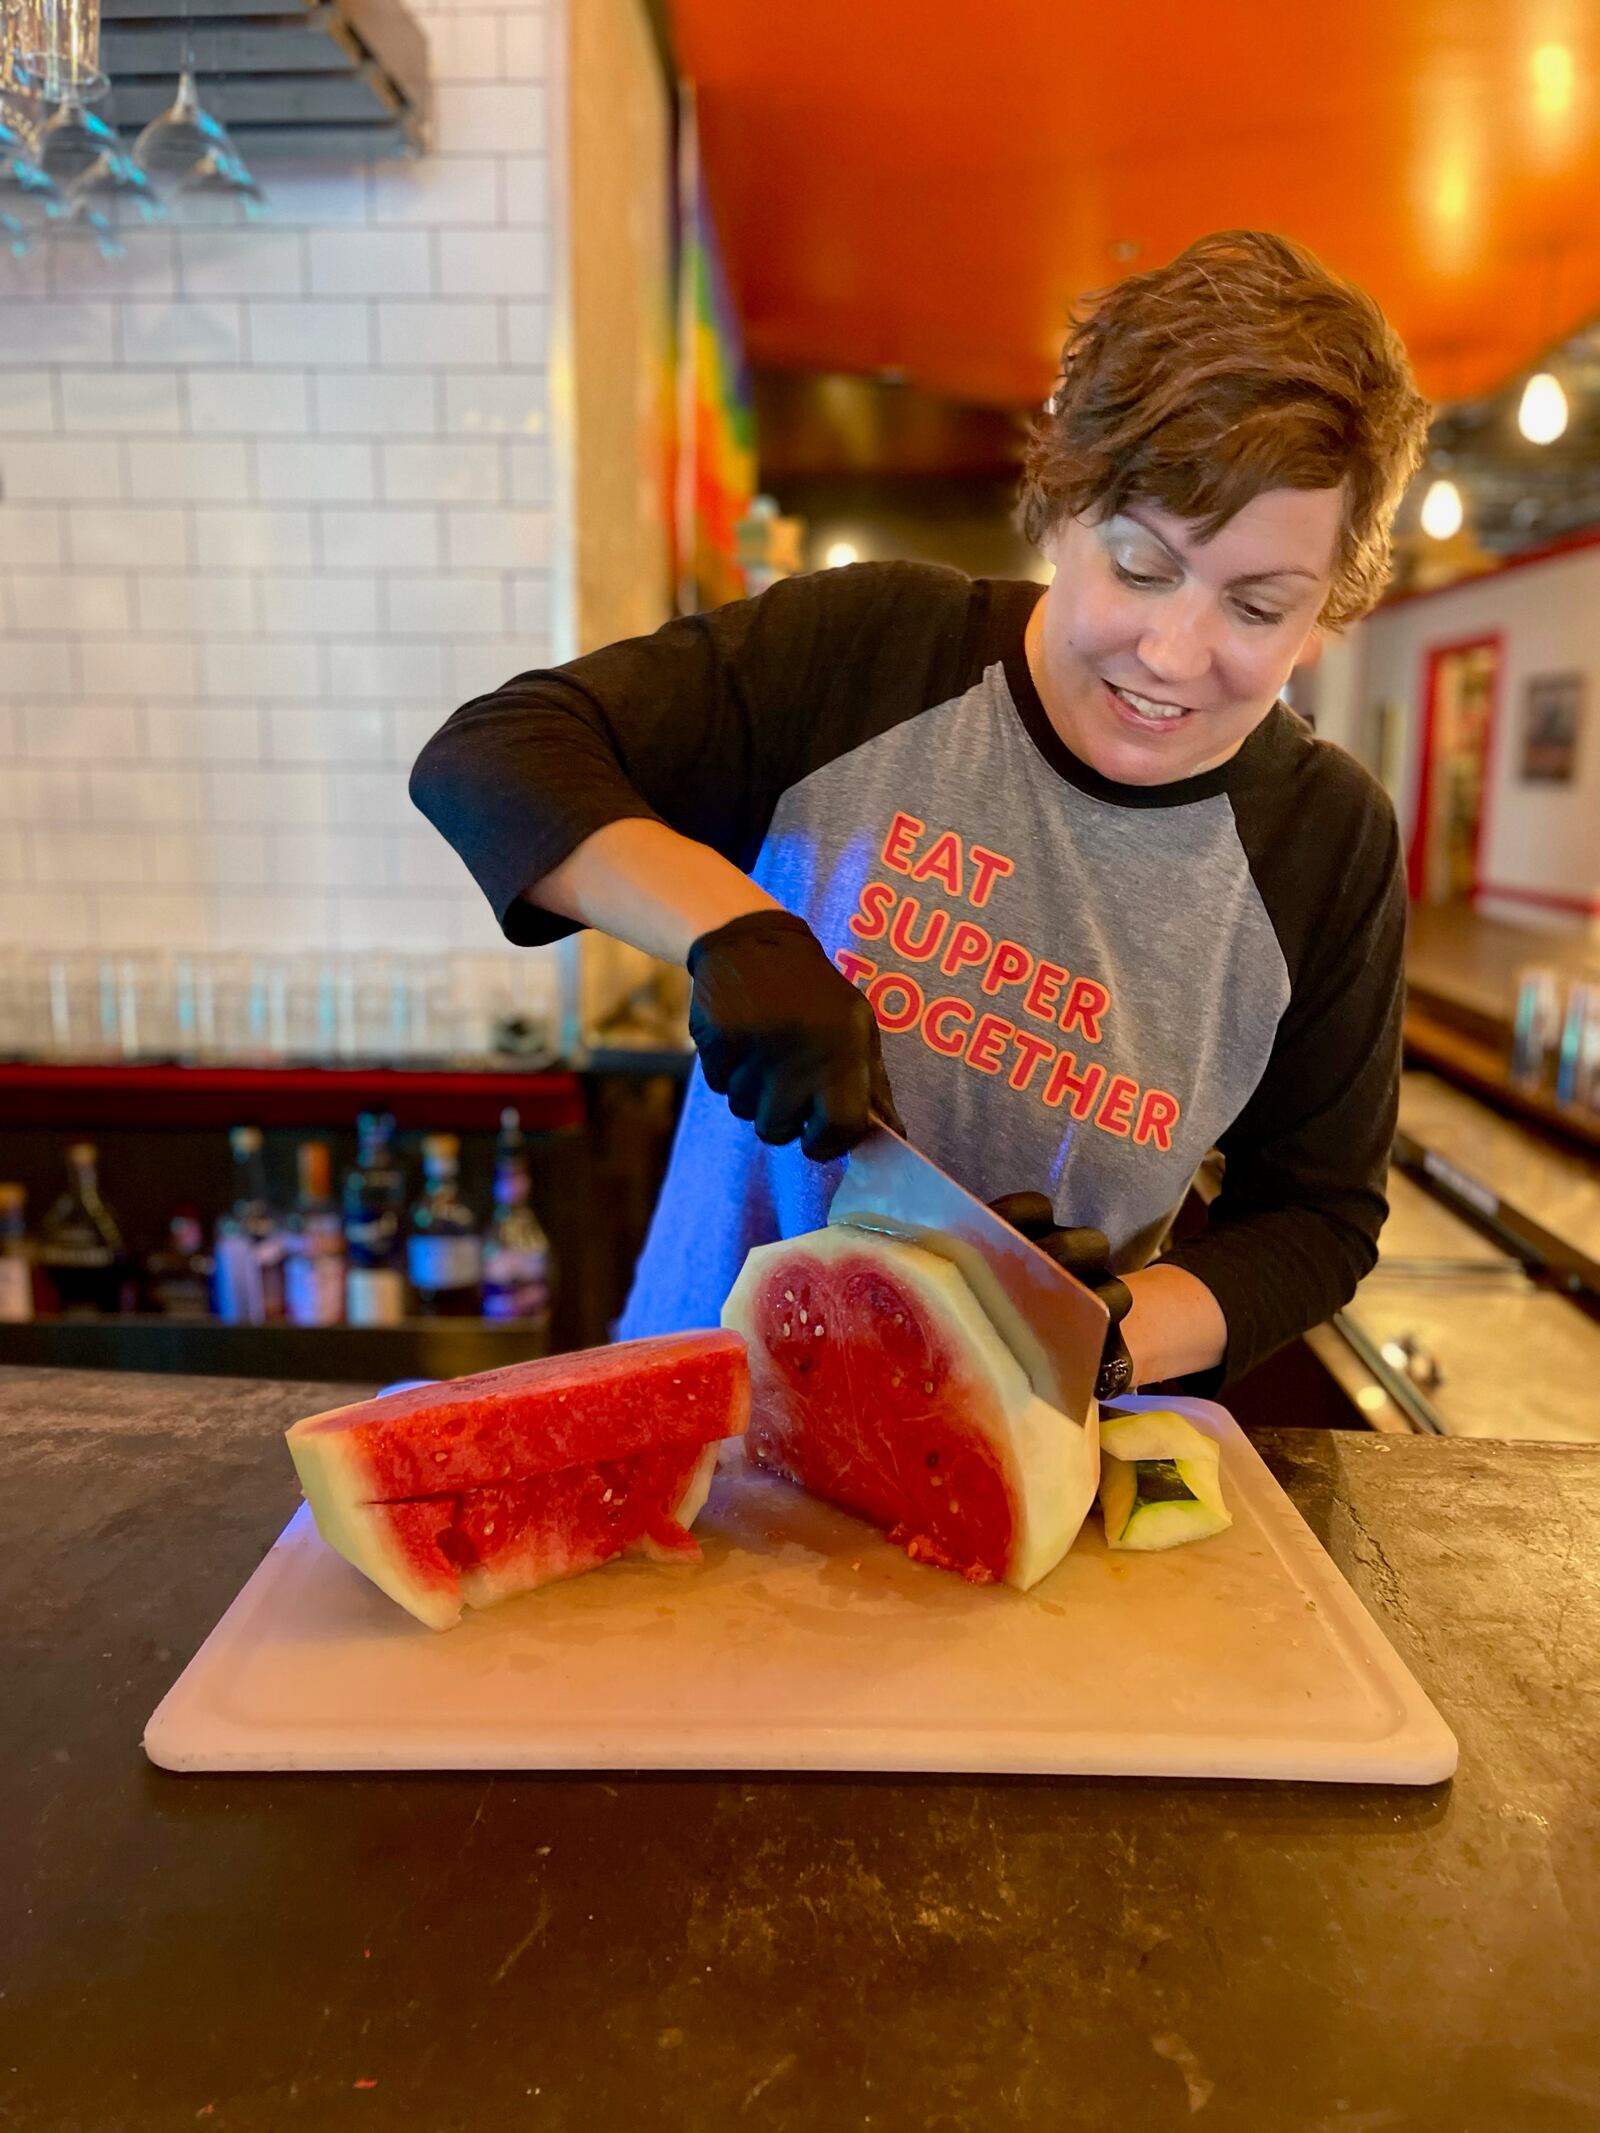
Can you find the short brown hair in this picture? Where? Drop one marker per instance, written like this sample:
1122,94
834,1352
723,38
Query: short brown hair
1242,366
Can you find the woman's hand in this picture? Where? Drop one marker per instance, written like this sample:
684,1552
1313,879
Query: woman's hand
785,1036
1165,1322
1086,1256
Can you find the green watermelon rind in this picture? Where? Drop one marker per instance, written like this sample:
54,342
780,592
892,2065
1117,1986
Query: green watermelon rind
1158,1433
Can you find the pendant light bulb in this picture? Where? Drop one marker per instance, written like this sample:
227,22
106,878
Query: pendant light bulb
1543,414
1441,510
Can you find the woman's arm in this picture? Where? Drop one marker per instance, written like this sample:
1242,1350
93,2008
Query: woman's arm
646,885
1174,1326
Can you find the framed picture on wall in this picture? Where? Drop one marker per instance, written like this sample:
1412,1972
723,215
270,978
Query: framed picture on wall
1551,716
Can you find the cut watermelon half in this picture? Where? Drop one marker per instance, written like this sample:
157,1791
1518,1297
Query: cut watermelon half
466,1493
878,1382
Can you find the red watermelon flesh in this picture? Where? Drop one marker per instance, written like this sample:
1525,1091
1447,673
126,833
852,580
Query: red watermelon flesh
465,1493
878,1382
875,1411
485,1545
531,1418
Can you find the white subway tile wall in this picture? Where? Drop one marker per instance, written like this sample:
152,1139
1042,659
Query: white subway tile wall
273,500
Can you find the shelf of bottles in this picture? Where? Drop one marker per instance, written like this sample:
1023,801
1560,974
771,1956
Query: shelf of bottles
375,1254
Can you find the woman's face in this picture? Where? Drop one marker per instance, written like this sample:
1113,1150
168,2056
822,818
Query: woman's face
1157,655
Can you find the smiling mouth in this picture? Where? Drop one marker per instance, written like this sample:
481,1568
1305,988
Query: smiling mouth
1149,709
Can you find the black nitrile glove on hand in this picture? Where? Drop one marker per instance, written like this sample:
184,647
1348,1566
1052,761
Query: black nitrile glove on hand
1086,1256
785,1036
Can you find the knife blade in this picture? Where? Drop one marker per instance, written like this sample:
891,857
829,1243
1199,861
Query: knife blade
1054,1326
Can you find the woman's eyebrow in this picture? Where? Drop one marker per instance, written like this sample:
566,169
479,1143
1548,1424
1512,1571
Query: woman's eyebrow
1252,577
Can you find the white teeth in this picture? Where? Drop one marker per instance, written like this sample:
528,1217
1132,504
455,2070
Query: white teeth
1145,706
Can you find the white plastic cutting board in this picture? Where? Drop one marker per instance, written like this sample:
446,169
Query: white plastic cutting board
806,1642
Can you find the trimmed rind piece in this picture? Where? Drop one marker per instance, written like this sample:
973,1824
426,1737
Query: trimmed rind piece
1125,1440
1048,1464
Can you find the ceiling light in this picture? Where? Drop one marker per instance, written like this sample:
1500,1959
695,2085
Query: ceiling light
1441,510
1554,78
1543,414
838,554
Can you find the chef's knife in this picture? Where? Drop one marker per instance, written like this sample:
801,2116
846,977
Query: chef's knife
1054,1326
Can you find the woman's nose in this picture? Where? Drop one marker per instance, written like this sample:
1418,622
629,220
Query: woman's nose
1176,647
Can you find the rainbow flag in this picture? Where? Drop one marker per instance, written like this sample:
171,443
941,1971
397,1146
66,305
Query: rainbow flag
716,411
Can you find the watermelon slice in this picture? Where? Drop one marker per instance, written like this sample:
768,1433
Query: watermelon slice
878,1383
462,1494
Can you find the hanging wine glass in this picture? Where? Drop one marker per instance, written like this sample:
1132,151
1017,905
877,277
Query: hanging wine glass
179,137
113,180
185,148
29,197
221,176
84,219
72,140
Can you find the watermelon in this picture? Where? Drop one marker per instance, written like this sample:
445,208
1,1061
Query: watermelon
879,1383
465,1493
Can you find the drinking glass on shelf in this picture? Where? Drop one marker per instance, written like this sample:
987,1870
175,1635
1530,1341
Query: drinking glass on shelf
431,1019
194,1008
55,47
80,1007
379,1009
146,1018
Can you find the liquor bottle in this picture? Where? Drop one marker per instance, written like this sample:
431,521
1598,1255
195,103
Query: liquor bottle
178,1274
374,1227
444,1252
250,1241
16,1271
314,1267
81,1252
516,1251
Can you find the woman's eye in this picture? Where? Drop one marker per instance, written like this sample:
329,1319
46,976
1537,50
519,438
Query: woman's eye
1259,615
1133,577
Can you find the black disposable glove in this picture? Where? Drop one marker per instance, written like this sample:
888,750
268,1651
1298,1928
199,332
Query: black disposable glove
785,1036
1086,1256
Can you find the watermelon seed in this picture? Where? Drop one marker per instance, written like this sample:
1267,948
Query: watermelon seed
927,1384
488,1526
933,1459
818,1329
802,1314
607,1497
787,1329
937,1482
788,1296
439,1458
899,1318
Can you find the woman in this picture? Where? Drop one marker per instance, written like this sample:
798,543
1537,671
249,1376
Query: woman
1056,867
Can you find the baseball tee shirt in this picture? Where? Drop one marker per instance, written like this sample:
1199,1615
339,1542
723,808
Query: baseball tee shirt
1083,986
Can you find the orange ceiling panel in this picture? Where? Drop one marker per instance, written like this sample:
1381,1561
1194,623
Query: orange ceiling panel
925,184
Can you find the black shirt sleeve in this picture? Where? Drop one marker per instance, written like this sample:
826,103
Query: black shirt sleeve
1295,1225
702,725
